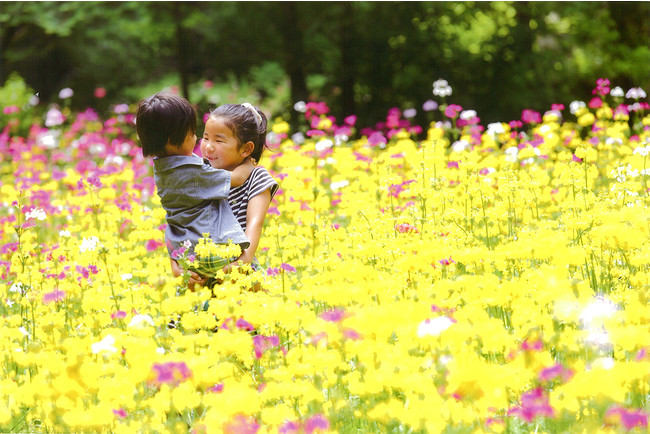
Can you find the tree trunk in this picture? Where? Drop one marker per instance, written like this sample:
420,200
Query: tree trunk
181,58
348,70
295,56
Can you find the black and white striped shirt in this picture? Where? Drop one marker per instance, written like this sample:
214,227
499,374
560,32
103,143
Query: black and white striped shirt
259,181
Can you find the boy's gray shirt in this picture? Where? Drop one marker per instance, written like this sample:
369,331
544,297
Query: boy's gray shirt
195,196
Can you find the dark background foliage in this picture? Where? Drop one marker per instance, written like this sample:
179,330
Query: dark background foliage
360,57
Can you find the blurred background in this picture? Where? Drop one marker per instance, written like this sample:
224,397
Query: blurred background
360,58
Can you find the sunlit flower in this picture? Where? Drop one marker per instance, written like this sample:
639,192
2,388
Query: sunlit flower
66,93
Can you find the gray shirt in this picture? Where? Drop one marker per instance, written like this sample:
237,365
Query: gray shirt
195,196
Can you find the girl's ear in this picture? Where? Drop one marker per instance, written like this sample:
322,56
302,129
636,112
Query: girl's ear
247,148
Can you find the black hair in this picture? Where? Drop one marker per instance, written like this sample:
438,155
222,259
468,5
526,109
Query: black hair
164,118
245,126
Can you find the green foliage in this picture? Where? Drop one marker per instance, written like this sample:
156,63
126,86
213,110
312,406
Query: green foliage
17,101
359,57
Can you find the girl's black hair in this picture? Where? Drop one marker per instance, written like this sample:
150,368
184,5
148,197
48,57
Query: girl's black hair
245,125
164,118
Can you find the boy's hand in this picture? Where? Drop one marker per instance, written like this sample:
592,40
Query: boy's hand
241,173
194,277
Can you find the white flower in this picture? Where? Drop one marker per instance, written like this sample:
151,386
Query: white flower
24,331
37,214
88,244
441,88
460,146
339,139
339,185
410,113
64,233
126,276
66,93
300,106
187,244
48,140
141,321
511,154
121,108
160,350
617,91
495,128
642,151
298,138
433,327
600,308
323,144
468,114
9,303
54,117
576,105
635,93
105,344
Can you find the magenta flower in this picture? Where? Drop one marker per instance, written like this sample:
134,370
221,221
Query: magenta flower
263,343
536,345
288,268
575,158
120,314
153,245
242,324
531,117
377,138
350,120
53,296
595,102
534,403
317,422
241,424
217,388
627,418
10,109
272,271
289,427
171,372
452,110
602,87
351,334
405,228
120,413
548,374
333,315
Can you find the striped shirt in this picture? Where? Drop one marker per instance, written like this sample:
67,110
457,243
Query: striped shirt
259,181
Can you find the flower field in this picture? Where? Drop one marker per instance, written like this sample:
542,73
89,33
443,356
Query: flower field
447,277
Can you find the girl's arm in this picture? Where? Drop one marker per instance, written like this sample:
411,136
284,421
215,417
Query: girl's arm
255,214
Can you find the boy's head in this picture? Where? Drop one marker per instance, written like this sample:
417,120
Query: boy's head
163,118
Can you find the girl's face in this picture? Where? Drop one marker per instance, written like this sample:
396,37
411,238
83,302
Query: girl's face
220,146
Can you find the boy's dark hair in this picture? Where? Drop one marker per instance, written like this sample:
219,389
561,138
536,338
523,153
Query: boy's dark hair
245,125
163,118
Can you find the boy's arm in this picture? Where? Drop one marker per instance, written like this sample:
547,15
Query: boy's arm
241,173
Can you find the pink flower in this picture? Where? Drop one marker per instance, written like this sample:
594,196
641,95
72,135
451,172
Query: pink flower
333,315
377,138
241,424
350,120
536,345
263,343
100,92
242,324
317,422
120,413
53,296
10,109
575,158
629,419
351,334
217,388
153,245
452,110
288,268
595,102
207,84
289,427
313,133
534,403
531,117
405,228
120,314
171,372
548,374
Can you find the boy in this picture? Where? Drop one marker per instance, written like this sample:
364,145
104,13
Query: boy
194,194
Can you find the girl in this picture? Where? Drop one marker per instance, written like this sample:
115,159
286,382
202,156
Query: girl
234,134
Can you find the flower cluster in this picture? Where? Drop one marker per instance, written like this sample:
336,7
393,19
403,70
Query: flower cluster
499,276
